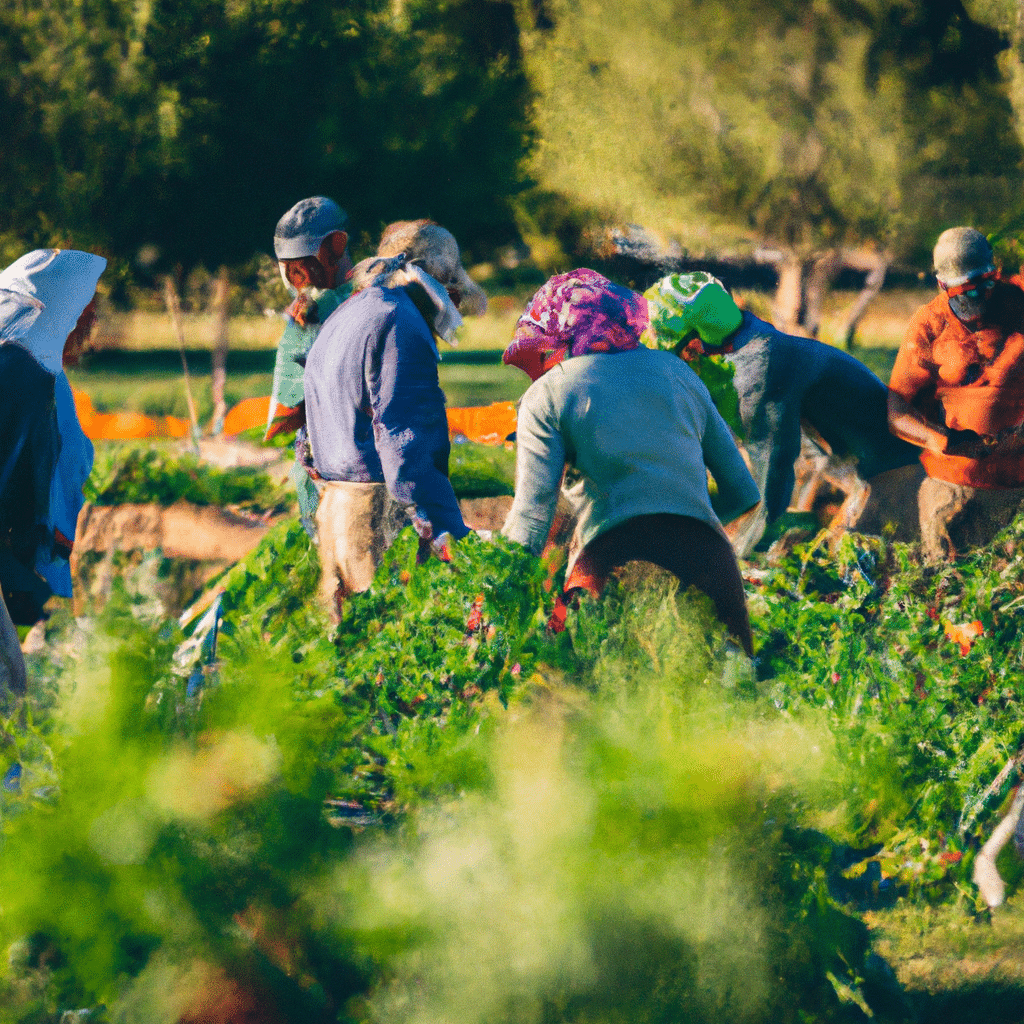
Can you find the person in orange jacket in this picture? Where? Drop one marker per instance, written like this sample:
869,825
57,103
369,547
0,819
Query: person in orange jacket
957,392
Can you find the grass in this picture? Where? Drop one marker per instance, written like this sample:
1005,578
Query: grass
152,382
136,365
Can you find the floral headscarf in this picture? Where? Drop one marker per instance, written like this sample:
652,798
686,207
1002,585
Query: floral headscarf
683,304
573,314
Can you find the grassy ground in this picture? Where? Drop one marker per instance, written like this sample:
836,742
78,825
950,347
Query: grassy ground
136,365
951,965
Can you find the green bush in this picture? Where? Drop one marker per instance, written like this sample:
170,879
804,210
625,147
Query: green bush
140,473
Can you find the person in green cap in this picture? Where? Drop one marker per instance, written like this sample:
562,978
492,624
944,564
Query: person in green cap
311,246
782,381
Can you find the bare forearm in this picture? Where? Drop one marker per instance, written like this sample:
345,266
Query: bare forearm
910,425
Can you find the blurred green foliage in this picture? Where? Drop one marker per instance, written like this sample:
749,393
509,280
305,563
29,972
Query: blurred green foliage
127,473
360,828
176,133
440,808
482,471
180,132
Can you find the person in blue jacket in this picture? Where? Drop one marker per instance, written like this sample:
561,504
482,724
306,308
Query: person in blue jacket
375,410
783,382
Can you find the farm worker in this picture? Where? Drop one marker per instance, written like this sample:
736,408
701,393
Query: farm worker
29,447
375,409
48,308
311,246
783,382
957,393
634,431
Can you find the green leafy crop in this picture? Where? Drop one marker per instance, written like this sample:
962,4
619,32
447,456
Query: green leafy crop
438,808
139,473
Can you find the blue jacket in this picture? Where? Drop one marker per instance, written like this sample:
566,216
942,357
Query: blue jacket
375,410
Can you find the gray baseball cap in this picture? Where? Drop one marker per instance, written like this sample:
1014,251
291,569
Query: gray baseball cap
960,254
301,231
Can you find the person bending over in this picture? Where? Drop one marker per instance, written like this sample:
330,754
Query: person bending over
783,381
375,410
634,431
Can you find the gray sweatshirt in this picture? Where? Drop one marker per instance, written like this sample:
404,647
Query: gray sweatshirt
638,431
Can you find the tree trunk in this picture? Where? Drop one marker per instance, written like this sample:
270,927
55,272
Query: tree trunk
789,294
804,283
788,308
875,264
221,295
823,273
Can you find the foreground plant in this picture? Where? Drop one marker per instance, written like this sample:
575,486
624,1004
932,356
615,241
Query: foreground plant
264,838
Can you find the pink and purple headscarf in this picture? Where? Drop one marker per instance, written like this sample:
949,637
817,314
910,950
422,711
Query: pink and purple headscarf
572,314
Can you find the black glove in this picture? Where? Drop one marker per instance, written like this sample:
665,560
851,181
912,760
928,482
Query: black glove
968,444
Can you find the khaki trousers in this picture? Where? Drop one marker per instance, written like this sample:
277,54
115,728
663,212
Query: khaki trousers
356,524
956,518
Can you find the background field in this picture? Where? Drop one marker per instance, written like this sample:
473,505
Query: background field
136,364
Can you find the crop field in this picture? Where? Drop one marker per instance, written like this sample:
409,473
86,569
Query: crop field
621,819
439,810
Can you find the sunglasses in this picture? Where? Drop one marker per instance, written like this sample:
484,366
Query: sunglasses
975,288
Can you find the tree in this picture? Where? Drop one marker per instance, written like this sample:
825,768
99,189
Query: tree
807,135
192,125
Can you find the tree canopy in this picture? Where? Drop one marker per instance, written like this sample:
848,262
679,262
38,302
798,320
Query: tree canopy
188,126
192,126
794,127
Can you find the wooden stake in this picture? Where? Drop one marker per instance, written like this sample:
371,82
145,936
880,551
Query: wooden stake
174,308
221,295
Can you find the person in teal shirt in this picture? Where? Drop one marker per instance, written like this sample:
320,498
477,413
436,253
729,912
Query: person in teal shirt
311,246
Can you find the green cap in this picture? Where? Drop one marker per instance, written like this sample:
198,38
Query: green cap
683,304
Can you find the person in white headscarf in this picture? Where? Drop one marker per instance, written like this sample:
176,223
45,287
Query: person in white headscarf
375,410
29,446
47,308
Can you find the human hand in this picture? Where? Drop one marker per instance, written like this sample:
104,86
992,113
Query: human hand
968,444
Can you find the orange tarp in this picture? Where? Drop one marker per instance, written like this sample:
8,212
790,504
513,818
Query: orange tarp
124,426
249,413
486,424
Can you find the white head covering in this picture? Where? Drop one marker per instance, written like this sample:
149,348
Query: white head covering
397,272
42,295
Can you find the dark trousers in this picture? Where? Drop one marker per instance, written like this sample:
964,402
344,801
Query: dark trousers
694,552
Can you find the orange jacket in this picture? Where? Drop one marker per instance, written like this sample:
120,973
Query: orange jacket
967,380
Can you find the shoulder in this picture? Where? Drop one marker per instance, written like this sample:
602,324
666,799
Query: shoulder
22,371
684,375
754,327
927,323
364,315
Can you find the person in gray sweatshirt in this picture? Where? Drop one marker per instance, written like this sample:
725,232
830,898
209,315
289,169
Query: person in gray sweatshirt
634,432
